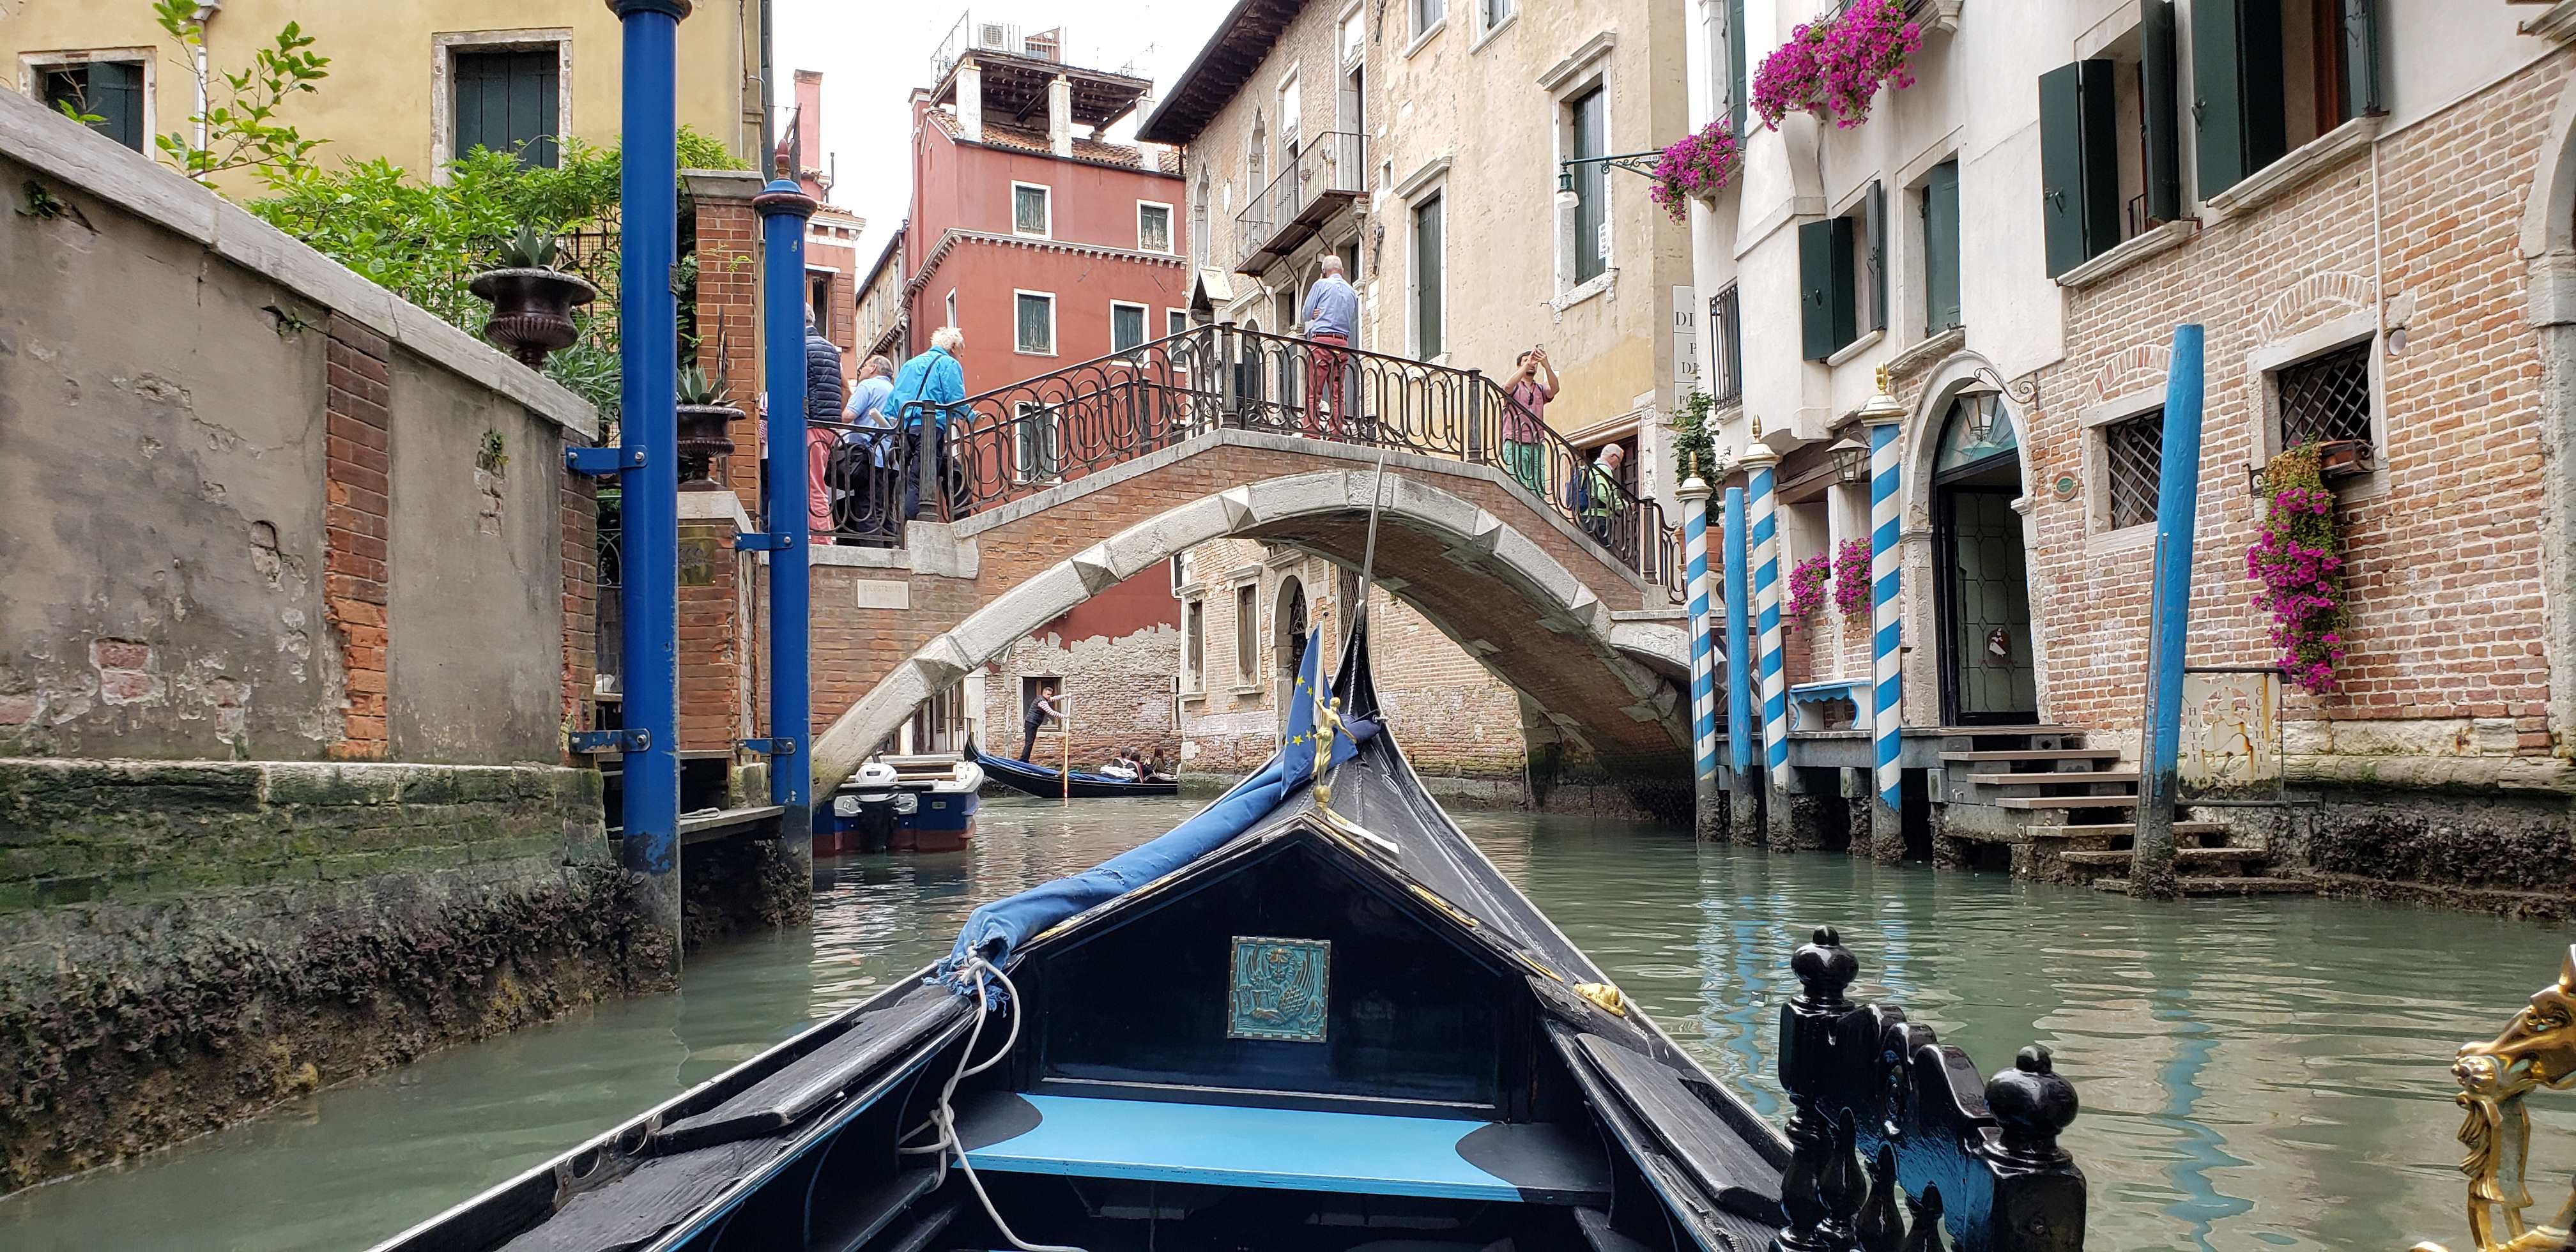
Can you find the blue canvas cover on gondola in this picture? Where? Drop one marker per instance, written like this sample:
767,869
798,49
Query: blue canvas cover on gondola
997,929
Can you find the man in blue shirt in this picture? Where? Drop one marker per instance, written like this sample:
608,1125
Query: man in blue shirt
931,385
1332,312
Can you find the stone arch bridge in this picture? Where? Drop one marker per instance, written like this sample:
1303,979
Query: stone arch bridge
1596,650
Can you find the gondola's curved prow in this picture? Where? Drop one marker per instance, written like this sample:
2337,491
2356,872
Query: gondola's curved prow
1311,1029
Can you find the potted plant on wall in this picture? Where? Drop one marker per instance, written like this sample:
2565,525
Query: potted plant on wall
1696,167
704,418
532,301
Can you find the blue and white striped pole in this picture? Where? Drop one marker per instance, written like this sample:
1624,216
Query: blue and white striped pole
1739,651
1884,418
1758,462
1694,495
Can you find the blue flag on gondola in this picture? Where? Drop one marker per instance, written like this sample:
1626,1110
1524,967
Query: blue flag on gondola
1297,750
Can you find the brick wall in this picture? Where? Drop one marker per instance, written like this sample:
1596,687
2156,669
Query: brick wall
1121,689
580,598
2444,576
357,468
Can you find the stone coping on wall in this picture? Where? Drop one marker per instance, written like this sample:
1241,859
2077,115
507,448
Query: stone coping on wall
72,154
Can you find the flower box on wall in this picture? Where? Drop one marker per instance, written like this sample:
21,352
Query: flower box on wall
2343,458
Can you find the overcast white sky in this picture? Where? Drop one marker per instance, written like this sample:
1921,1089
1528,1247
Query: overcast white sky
874,52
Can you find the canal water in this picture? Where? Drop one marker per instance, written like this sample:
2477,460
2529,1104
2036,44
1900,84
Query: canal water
2255,1074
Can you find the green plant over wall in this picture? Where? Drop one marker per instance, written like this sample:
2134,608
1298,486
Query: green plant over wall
1694,444
494,456
425,241
242,131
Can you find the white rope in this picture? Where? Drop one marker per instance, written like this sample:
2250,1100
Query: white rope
944,1116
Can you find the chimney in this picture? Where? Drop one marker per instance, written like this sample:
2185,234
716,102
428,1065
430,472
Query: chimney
1060,116
970,102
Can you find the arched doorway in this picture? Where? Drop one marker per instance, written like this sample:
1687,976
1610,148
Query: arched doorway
1982,589
1288,626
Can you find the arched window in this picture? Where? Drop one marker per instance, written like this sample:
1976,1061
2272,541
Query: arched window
1290,616
1199,221
1963,445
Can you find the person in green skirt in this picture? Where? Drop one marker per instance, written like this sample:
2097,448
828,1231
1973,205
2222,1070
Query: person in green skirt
1525,419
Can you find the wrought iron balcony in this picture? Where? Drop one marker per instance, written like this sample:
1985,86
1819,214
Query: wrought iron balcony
1329,171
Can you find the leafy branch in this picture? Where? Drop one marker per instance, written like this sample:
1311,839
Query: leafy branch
243,131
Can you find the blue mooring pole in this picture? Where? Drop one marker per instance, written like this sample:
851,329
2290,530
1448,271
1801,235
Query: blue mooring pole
783,209
648,352
1737,606
2151,865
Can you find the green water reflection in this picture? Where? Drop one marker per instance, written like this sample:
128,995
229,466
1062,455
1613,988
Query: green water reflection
2255,1074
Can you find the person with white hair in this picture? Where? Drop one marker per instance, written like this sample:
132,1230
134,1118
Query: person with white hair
1331,314
926,396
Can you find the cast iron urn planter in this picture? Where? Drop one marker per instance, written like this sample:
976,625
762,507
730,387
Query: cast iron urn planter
702,440
531,309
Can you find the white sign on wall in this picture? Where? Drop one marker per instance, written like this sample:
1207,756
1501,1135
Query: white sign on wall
1686,315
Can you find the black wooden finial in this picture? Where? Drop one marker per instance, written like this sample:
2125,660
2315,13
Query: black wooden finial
1927,1235
2032,1105
1824,967
1881,1224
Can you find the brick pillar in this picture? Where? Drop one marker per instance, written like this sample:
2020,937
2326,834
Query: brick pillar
580,498
711,635
358,493
728,318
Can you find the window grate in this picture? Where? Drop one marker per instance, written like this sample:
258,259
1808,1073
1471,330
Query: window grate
2326,398
1726,324
2133,451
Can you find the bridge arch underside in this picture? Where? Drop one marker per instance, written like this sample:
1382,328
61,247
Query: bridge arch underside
1598,683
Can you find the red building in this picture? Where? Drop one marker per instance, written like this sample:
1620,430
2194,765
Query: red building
832,234
1045,244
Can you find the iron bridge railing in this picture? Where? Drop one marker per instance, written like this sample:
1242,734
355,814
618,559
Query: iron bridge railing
1022,439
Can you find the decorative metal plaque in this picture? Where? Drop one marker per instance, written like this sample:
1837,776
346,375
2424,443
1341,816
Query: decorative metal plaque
1278,989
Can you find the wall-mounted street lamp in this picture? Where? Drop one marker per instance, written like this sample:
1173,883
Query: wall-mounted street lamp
1851,461
1983,386
1633,162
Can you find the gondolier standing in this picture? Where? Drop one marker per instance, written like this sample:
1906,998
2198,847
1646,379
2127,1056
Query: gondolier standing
1035,718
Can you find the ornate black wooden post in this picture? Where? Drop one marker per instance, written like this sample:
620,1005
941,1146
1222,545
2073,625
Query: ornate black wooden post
1863,1081
1807,1061
2039,1194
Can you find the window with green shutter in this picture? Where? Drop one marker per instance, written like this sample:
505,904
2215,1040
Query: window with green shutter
1870,259
1588,123
1940,210
109,91
1126,326
2079,171
1739,54
2271,75
1033,330
508,101
1428,279
1826,314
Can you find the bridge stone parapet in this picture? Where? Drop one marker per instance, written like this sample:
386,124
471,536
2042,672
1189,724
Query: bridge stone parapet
1491,565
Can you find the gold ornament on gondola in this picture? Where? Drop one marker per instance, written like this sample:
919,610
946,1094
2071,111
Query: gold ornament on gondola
1328,725
2536,1052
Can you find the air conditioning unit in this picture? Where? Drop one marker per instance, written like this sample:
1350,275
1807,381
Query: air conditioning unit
994,35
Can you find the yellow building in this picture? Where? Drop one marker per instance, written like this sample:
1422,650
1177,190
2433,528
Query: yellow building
417,84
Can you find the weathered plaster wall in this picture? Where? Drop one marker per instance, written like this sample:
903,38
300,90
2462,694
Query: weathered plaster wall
477,659
163,549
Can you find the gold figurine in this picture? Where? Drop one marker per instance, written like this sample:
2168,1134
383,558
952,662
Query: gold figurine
1328,725
2536,1052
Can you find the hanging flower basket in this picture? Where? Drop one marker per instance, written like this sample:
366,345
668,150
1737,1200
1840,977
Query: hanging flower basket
1696,168
1807,587
1834,67
1851,577
2296,559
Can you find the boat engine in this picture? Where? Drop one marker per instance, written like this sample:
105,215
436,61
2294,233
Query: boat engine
876,804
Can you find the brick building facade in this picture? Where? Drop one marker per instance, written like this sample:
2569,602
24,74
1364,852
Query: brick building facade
2367,231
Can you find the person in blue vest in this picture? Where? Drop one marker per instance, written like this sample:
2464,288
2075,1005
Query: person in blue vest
928,390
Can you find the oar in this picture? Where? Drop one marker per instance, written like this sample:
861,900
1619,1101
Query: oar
1368,554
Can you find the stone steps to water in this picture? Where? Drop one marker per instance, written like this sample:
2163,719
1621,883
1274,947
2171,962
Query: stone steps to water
2196,857
2066,802
2049,754
2203,886
2054,778
2122,830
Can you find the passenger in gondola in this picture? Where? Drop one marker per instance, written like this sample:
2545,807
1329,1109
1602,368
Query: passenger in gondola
1121,768
1158,768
